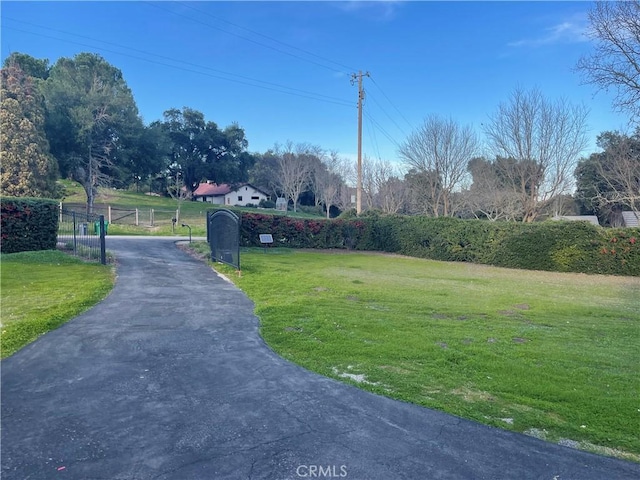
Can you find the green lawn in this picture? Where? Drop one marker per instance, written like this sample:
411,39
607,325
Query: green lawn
191,213
39,291
553,355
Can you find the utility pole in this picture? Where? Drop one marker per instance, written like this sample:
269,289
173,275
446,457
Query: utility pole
360,99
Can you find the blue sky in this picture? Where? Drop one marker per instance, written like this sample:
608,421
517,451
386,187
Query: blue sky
282,69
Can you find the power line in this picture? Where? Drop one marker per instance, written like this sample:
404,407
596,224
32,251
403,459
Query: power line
382,130
270,38
247,80
242,37
388,116
391,103
374,141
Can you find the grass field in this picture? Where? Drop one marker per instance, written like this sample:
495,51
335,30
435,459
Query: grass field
39,291
191,213
552,355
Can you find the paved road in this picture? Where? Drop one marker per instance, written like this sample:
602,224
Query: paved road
169,379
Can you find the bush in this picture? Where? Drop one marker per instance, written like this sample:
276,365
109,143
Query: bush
555,246
28,224
267,204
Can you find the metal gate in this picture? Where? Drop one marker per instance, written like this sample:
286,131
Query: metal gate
223,235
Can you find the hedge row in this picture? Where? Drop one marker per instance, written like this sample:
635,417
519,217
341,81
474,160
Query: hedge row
554,246
28,224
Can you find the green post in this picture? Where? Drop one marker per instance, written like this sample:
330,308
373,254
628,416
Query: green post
103,247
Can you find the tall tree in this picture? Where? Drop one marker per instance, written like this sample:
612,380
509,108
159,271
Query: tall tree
440,150
422,192
609,181
294,169
264,172
32,67
200,150
393,194
382,187
615,61
328,181
143,153
89,110
543,140
26,166
489,194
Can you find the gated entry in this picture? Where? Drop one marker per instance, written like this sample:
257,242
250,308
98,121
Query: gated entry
223,235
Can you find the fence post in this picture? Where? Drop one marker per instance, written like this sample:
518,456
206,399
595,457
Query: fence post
60,214
75,240
136,216
151,217
103,247
109,213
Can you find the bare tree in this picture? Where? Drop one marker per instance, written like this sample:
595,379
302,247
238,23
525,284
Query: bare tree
328,181
178,191
440,149
381,185
544,140
295,168
488,195
420,195
91,173
393,194
615,62
368,183
619,167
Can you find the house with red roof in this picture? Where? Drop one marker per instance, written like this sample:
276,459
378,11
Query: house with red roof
225,194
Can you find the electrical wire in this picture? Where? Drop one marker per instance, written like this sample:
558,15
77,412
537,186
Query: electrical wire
385,112
237,78
246,80
240,36
390,102
382,130
275,40
371,133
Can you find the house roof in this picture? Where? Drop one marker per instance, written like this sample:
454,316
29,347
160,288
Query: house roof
257,189
211,190
578,218
215,190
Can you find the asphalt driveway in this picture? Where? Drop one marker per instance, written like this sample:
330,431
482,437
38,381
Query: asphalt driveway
168,378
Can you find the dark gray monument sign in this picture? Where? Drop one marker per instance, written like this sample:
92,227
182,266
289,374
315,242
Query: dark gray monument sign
223,235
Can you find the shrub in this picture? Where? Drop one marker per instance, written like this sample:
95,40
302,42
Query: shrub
28,224
555,246
267,204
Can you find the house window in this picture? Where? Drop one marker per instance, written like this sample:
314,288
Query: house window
255,198
239,198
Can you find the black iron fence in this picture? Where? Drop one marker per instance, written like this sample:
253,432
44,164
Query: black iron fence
82,234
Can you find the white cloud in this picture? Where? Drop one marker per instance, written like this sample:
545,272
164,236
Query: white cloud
570,31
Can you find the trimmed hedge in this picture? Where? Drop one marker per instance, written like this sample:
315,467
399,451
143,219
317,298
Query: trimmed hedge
28,224
555,246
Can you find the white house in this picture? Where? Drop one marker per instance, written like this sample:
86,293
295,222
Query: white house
630,219
240,196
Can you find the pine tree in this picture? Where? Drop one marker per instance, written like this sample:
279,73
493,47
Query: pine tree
27,169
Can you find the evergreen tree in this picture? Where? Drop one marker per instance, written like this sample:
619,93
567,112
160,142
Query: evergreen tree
26,166
90,110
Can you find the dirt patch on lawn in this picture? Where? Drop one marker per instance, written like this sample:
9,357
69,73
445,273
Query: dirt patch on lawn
469,395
